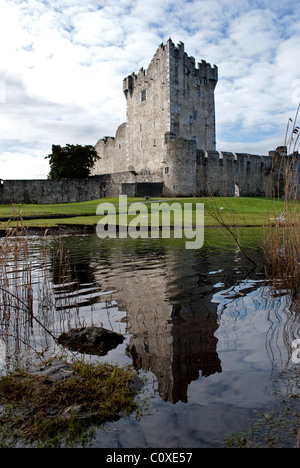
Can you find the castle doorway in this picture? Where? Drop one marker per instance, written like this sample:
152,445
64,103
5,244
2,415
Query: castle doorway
142,189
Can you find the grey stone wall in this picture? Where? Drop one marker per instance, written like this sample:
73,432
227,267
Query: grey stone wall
148,112
192,104
51,191
187,172
113,152
179,172
237,174
63,190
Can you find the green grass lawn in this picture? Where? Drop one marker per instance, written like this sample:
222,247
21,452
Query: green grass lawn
83,209
234,211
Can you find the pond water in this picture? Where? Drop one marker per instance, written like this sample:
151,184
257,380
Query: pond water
202,328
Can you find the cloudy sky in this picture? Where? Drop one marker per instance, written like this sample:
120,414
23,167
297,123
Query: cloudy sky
62,63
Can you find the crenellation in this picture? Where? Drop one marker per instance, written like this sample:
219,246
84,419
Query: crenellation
228,158
212,156
205,70
242,158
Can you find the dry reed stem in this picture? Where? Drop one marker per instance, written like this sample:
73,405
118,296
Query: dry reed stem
281,244
27,297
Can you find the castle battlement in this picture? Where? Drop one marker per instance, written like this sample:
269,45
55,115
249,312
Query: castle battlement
205,70
200,69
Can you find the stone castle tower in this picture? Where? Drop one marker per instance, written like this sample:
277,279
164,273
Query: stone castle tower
170,115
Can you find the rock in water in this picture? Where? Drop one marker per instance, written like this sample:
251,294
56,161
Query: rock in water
91,340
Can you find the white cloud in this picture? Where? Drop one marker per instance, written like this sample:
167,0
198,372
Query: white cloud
98,28
15,165
62,65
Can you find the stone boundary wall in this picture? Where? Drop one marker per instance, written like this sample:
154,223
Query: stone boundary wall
237,174
63,190
192,172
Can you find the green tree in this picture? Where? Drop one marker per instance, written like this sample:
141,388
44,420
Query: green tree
71,161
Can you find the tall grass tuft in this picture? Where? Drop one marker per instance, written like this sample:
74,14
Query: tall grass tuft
281,244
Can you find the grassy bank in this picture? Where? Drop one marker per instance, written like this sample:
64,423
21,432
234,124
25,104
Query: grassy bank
62,412
217,211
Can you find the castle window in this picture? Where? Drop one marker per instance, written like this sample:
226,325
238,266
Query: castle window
167,170
119,146
141,144
141,127
143,95
154,142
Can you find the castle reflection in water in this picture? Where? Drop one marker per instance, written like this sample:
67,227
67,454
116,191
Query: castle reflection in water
170,317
